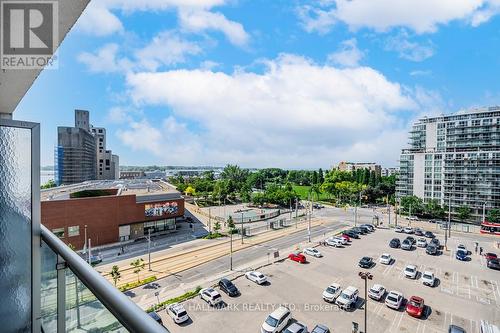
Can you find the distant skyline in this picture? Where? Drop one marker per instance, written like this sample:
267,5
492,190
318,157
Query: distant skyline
289,84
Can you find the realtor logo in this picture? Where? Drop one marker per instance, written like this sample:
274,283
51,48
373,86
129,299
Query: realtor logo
29,34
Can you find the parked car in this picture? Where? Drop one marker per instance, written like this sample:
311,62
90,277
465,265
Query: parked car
489,256
412,218
348,298
394,243
398,229
455,329
411,239
436,242
428,279
211,296
312,252
156,317
408,230
296,328
333,242
365,229
359,230
342,240
366,262
256,277
422,242
277,320
370,226
177,312
429,234
298,257
394,300
410,271
385,259
461,255
332,292
431,249
415,306
406,245
493,264
419,232
376,292
320,329
228,287
346,237
463,248
351,234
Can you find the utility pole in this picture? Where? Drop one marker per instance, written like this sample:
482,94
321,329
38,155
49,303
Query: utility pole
149,249
296,207
85,245
409,216
449,218
209,220
241,227
396,212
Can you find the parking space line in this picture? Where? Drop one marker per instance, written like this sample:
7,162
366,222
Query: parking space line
496,289
473,282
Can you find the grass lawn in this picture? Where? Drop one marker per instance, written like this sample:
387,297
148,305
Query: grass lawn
303,191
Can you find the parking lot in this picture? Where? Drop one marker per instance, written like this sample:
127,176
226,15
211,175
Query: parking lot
465,293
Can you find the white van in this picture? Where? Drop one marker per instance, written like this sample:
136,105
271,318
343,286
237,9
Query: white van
348,298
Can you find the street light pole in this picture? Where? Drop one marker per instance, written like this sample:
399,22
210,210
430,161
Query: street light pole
149,249
366,276
241,227
449,217
231,250
309,224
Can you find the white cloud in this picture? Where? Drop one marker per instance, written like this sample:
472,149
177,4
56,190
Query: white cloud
167,48
98,20
294,114
105,60
348,55
201,20
421,16
419,72
194,16
409,50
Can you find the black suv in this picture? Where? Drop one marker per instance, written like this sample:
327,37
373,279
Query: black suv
228,287
411,240
351,234
435,241
431,249
359,230
365,229
366,262
395,243
429,234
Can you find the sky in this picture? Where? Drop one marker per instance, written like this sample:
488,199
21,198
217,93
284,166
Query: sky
290,83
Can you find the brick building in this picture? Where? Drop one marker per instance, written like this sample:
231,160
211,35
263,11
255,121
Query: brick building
111,215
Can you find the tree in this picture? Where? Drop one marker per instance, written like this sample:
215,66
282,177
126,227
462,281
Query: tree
51,183
433,209
415,203
115,274
321,177
217,227
494,216
314,178
189,191
315,189
138,266
230,223
464,213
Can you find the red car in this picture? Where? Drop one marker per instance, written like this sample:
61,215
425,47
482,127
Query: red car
489,256
415,307
298,257
347,238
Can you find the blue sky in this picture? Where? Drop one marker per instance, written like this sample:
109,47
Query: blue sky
292,84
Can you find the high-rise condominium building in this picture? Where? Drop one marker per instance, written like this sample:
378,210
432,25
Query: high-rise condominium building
81,153
454,159
353,166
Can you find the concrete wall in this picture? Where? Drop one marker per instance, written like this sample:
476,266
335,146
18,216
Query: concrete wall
431,135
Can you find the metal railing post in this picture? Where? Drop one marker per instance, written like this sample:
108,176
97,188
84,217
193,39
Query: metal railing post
61,295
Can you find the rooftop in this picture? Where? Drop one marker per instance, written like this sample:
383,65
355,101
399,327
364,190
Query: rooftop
147,188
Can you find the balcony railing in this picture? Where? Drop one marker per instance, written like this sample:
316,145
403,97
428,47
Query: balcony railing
76,298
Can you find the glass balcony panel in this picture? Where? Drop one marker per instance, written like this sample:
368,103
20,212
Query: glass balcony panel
84,312
48,290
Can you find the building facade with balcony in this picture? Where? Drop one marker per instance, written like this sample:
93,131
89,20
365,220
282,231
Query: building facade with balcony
454,159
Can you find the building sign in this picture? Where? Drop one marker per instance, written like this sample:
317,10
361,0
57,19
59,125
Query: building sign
161,209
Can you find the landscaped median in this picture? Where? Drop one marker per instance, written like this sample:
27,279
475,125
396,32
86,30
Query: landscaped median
178,262
182,298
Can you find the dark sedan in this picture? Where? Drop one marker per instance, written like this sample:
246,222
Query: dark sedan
351,234
431,249
493,264
366,262
429,234
228,287
411,240
395,243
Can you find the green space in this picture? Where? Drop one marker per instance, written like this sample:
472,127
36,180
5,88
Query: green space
304,191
